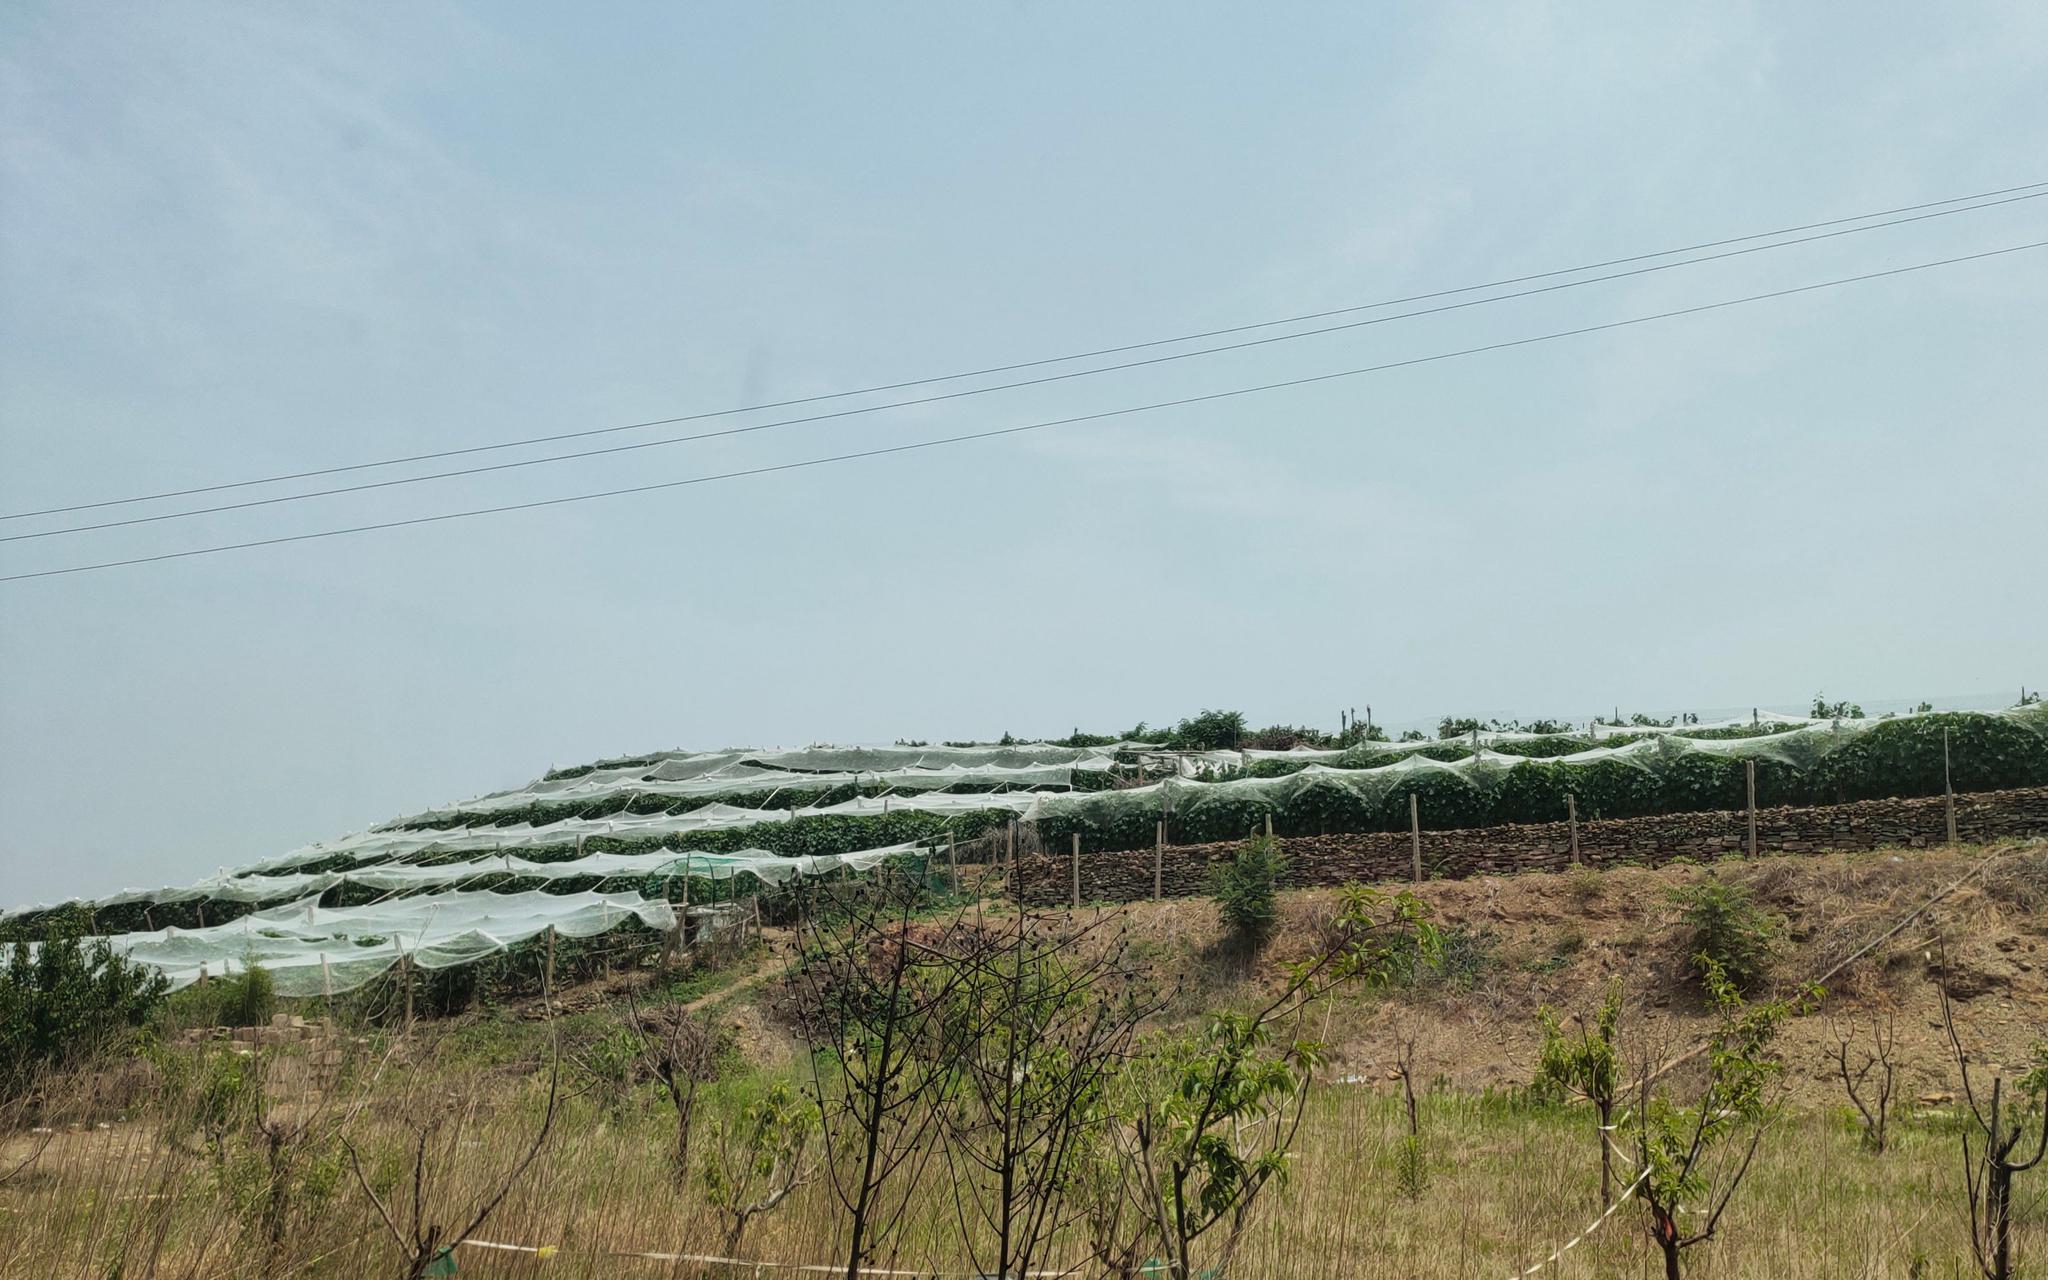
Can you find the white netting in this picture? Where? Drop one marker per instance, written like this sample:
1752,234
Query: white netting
1022,755
381,845
394,859
747,779
310,950
1801,747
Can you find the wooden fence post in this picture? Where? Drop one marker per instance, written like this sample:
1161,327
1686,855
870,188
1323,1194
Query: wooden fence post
1269,826
1948,790
1571,810
547,974
1415,836
1158,858
405,964
1077,870
1749,775
952,862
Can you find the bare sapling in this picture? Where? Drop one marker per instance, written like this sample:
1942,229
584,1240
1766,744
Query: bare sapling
1995,1145
423,1237
14,1116
294,1144
878,983
1868,1076
679,1051
1049,1012
1583,1063
1412,1172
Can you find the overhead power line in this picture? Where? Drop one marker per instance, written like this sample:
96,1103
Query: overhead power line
1016,366
1039,380
1030,426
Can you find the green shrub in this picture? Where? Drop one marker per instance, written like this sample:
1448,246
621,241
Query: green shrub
1246,889
1452,958
66,1000
245,999
1411,1167
214,1091
1726,930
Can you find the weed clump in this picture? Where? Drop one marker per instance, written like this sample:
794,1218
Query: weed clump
1727,931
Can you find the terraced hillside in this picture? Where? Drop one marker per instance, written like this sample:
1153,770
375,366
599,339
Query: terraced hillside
637,853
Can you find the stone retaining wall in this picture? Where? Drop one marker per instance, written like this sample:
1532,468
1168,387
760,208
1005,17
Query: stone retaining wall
1381,856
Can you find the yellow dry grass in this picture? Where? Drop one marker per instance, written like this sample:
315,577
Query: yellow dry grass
122,1186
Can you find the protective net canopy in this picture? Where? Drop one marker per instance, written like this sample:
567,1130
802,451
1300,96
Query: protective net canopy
1023,755
386,845
312,950
684,776
496,883
762,865
750,779
1808,761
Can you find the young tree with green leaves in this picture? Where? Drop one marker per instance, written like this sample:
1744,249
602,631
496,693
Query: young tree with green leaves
1209,731
759,1154
1692,1156
1205,1123
1725,927
1247,890
1583,1063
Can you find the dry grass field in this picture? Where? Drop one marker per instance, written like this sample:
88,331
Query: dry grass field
176,1166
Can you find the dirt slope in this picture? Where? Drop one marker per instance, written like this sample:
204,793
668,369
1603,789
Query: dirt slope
1560,939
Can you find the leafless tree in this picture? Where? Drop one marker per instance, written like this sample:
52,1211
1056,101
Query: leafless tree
878,987
1988,1170
1050,1010
678,1051
14,1114
437,1137
1414,1166
1869,1082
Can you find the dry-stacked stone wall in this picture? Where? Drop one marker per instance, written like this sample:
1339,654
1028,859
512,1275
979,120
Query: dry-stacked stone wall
1651,841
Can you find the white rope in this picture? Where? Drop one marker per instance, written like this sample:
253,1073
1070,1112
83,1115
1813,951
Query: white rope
707,1259
1591,1227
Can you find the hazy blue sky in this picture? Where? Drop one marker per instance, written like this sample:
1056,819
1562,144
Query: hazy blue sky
254,238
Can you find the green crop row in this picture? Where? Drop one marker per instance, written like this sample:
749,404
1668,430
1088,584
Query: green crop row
1896,758
819,836
642,802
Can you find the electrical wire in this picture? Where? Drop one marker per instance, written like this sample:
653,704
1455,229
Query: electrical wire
1019,365
979,391
996,433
